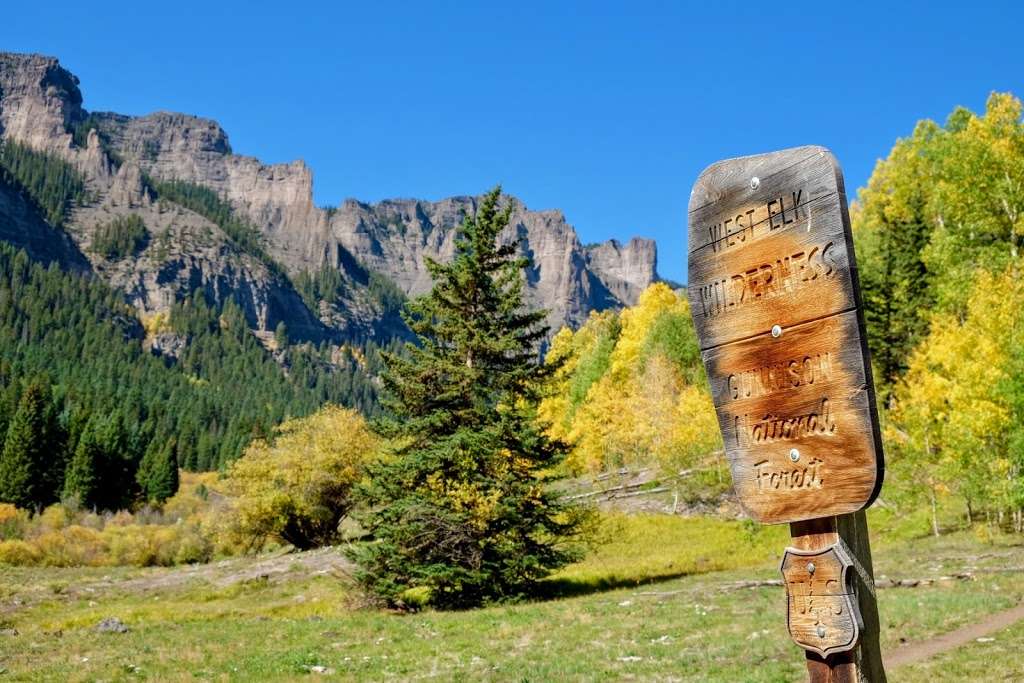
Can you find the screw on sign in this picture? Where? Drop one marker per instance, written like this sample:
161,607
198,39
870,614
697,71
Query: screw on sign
776,303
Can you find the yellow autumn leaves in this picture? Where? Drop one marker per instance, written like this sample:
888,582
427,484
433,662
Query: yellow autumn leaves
940,229
631,390
297,487
952,419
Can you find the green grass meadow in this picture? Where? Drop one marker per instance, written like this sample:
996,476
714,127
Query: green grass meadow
655,602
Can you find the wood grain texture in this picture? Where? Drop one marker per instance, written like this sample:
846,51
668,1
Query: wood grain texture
797,272
797,410
806,390
821,607
723,191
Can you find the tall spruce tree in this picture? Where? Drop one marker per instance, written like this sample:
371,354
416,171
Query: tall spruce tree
157,475
460,512
32,448
82,480
893,230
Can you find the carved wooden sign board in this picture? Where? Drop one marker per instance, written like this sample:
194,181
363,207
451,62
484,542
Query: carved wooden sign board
774,296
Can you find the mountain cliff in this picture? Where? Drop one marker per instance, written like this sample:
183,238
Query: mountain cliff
241,230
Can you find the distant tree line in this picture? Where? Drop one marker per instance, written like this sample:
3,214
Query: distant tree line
52,184
82,399
122,236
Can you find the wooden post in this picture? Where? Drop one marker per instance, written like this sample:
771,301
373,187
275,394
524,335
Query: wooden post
863,664
775,300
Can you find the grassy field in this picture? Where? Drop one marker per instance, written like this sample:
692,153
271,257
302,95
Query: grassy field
657,602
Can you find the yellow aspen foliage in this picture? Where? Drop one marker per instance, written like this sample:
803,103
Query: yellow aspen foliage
951,414
554,409
297,487
978,202
583,357
637,321
631,390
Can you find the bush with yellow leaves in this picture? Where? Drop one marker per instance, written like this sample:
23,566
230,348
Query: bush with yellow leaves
13,522
296,488
185,531
630,390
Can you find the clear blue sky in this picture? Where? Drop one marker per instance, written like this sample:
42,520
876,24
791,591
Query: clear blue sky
607,111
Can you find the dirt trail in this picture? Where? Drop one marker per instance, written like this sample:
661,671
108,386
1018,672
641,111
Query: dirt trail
916,652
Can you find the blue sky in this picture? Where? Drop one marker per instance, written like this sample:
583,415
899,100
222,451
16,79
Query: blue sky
606,111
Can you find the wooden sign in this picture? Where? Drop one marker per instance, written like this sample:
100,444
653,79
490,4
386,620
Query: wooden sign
775,300
822,613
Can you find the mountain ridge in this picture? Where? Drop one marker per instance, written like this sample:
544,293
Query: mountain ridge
41,106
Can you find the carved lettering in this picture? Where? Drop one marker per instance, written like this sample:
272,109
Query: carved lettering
788,479
785,275
789,374
771,428
777,212
817,598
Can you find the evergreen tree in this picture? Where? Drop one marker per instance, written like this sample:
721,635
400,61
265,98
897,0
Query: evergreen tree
116,464
29,449
281,335
461,511
892,230
158,472
82,480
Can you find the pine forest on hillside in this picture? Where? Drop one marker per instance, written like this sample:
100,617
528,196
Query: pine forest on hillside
81,394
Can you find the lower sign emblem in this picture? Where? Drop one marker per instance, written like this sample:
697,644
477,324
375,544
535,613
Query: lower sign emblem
822,610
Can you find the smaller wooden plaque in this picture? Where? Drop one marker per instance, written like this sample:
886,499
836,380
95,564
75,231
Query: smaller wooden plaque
821,607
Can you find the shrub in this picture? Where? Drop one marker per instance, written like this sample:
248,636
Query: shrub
297,488
196,493
193,546
55,517
131,545
19,553
74,546
13,522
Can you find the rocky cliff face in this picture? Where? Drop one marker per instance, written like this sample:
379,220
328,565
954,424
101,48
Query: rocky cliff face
39,100
40,105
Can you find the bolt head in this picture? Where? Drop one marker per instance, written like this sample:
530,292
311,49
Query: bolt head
810,567
821,631
794,454
776,331
755,183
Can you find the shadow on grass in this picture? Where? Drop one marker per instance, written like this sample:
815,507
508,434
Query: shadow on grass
553,588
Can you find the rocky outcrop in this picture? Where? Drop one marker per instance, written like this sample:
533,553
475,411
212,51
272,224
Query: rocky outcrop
40,104
625,270
39,101
391,237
